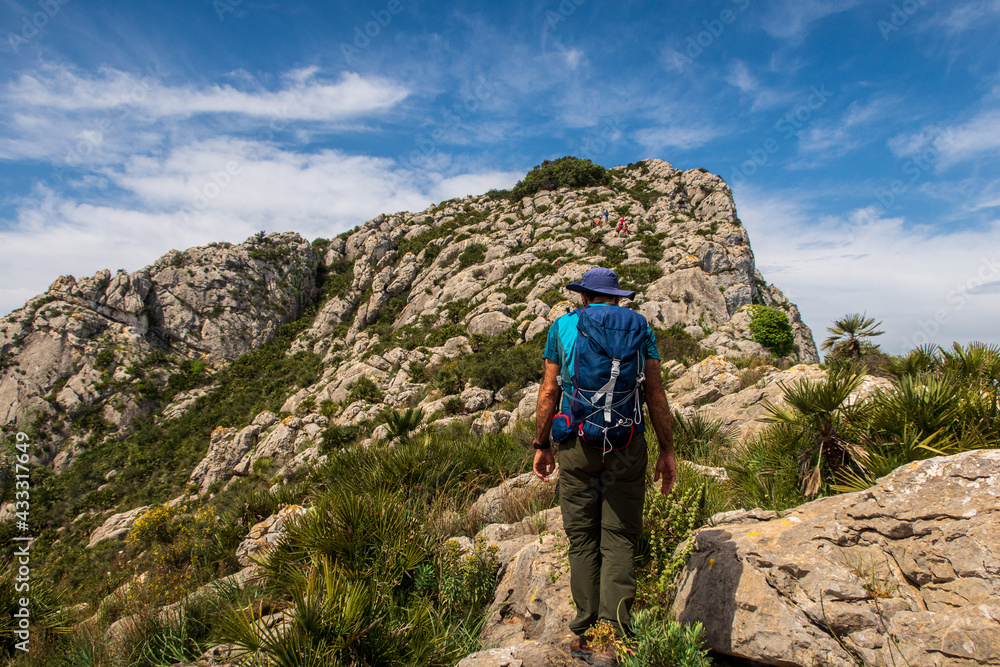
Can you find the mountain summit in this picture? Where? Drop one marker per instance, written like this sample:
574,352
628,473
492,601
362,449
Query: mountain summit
90,356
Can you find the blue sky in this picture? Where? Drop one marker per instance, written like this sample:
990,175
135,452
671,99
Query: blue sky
860,138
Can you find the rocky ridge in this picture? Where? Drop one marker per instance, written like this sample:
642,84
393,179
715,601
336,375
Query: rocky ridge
476,266
76,347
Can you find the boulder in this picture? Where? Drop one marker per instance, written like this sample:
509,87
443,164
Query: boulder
490,504
225,449
529,622
741,410
904,573
116,526
490,422
702,372
475,399
264,535
490,324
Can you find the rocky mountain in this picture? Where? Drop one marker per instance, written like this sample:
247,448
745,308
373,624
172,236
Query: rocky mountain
402,292
74,351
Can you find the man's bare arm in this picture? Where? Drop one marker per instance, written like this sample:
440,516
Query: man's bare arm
548,402
659,414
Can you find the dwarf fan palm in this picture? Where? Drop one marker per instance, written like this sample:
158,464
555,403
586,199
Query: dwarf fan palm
849,331
401,424
820,409
701,439
919,360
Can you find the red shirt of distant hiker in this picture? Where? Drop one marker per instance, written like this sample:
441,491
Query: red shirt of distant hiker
601,445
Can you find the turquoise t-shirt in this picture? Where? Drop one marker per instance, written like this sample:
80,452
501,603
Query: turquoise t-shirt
561,343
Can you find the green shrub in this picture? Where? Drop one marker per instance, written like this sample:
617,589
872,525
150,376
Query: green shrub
664,643
104,359
364,389
336,279
401,423
363,573
441,335
668,521
652,246
500,361
701,439
538,270
764,472
593,197
417,371
552,297
770,327
676,344
48,619
467,581
449,379
473,254
638,276
190,374
566,172
337,437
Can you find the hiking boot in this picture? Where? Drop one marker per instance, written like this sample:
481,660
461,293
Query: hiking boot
581,648
605,658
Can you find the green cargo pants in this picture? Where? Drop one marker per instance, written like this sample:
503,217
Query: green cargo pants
601,503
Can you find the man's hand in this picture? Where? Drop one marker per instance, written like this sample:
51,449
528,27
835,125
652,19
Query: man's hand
666,471
545,463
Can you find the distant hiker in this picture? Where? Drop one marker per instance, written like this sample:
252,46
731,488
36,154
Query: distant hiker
605,216
619,229
601,364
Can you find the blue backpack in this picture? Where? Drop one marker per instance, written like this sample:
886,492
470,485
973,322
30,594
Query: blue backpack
605,406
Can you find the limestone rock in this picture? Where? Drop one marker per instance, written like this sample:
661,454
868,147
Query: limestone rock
703,372
264,535
490,422
475,399
532,608
906,572
225,450
213,302
741,410
116,526
490,324
490,504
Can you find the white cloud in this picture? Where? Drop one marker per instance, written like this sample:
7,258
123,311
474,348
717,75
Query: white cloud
656,139
573,58
793,19
763,96
850,131
968,15
218,190
304,95
924,287
952,144
62,116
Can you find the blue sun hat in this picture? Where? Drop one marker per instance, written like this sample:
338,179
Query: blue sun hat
602,281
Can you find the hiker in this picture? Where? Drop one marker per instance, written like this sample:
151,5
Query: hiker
590,405
605,215
619,229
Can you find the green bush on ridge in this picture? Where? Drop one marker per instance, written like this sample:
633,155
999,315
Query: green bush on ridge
566,172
